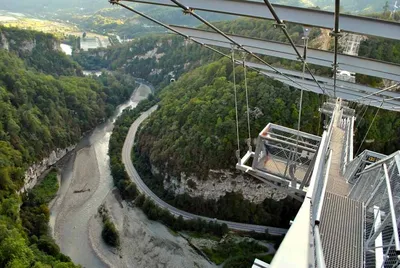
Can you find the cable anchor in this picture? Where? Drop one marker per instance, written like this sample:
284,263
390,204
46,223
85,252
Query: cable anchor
280,24
188,11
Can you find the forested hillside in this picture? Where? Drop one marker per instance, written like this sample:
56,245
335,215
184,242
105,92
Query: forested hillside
173,55
385,132
39,50
40,112
178,56
194,129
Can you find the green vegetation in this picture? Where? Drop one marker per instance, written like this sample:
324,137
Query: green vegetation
385,131
194,129
40,113
42,110
235,253
34,246
232,206
180,56
39,51
110,233
129,190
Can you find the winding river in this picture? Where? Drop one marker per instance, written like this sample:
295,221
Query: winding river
86,171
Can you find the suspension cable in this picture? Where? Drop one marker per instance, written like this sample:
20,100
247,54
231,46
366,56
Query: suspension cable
336,34
375,93
362,117
190,11
236,104
369,128
279,23
247,103
117,2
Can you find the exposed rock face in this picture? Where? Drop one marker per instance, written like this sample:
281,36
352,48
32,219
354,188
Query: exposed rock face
218,183
36,170
4,42
28,46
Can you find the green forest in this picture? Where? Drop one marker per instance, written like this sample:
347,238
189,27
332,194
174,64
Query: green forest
41,110
181,57
194,129
39,50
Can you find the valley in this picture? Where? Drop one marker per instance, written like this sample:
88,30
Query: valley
138,129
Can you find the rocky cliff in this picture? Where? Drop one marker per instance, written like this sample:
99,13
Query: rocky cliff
36,170
218,183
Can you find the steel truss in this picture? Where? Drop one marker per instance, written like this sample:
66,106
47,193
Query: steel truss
304,16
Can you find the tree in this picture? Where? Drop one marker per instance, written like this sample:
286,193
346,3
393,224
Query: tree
386,7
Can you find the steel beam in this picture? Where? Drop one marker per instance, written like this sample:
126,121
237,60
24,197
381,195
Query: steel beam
319,57
329,81
341,93
304,16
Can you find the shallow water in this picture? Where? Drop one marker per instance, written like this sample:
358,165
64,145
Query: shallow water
87,169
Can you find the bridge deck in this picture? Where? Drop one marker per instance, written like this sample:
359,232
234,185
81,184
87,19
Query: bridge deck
342,232
342,218
336,182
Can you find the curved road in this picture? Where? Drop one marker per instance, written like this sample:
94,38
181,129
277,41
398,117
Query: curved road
134,176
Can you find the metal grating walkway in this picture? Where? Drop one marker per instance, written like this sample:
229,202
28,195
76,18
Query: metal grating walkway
341,223
336,182
342,231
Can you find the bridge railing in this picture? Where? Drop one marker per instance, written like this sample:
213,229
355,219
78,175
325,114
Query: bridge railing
304,232
378,188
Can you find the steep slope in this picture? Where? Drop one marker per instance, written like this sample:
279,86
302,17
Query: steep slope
38,114
39,50
194,129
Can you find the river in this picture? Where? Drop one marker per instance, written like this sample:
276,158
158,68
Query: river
88,169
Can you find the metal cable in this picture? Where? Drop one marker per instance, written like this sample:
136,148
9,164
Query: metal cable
283,27
369,128
336,34
236,104
191,11
116,2
362,117
375,93
247,103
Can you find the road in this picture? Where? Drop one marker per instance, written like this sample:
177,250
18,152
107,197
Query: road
142,187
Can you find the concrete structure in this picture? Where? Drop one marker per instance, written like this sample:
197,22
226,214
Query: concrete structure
90,43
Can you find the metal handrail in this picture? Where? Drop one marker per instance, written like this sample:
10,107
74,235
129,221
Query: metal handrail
392,210
321,202
319,253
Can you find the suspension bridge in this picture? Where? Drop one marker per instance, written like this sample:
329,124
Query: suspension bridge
350,202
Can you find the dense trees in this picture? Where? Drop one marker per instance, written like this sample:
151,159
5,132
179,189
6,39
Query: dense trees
182,56
385,131
129,190
41,109
39,50
194,129
38,247
40,113
109,233
232,206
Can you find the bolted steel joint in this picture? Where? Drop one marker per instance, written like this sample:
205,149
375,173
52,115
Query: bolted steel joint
281,25
188,11
335,34
113,2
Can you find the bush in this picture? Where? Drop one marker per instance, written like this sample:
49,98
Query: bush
110,234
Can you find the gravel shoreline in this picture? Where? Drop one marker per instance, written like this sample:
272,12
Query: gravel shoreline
144,243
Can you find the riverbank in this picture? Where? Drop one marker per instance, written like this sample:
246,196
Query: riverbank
85,182
144,243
